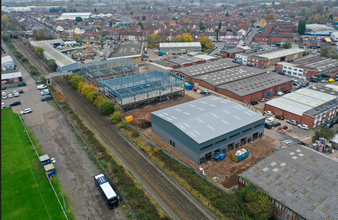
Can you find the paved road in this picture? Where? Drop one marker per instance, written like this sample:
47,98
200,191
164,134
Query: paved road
251,36
59,141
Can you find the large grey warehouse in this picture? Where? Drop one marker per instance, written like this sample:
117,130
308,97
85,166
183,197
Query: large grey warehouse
180,47
202,127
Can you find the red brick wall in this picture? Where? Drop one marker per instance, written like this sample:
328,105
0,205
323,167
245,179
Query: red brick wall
289,115
308,120
203,84
274,110
230,94
256,96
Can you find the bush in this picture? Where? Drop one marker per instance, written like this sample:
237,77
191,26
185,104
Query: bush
19,56
92,96
324,132
5,37
106,107
135,134
52,64
80,86
116,118
99,100
87,89
24,59
124,125
75,80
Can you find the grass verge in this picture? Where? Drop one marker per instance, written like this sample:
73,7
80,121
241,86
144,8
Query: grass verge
26,192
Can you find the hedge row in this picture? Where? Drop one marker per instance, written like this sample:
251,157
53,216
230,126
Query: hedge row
139,202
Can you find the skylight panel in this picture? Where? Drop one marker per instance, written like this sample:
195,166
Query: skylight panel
210,127
198,119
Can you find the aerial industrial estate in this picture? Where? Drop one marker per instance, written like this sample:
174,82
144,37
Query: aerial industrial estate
169,110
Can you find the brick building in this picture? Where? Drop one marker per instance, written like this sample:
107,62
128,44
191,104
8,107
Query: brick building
232,52
273,38
256,87
312,106
257,61
294,70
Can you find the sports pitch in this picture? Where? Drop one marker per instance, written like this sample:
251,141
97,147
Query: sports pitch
25,189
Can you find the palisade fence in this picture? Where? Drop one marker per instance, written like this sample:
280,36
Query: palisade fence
96,159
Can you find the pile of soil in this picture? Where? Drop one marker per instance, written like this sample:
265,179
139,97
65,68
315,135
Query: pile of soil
59,97
144,125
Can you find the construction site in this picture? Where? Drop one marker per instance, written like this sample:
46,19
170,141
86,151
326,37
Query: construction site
103,70
134,91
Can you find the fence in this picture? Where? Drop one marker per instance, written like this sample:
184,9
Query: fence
96,159
12,85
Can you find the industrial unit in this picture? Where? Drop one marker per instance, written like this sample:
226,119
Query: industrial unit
180,47
107,69
256,87
132,92
7,62
312,106
302,183
63,62
128,49
74,15
204,126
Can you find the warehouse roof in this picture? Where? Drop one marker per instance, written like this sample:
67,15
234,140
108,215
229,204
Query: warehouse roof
255,83
301,179
11,75
281,53
209,117
73,15
322,108
234,50
60,59
229,75
6,58
321,63
128,48
301,101
185,44
207,67
319,27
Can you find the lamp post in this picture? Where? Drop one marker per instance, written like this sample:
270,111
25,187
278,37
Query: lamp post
54,163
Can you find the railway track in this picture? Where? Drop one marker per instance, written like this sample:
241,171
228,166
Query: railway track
180,203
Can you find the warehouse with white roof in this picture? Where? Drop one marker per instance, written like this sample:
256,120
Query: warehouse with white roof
180,47
202,127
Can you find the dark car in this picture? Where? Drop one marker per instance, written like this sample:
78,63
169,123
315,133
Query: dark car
313,80
46,98
287,91
276,124
234,61
328,125
3,87
250,65
145,56
20,91
305,84
280,117
254,103
15,103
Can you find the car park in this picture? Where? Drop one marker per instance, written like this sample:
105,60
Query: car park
303,126
254,103
276,124
43,86
46,98
263,100
293,122
284,127
267,112
280,117
270,120
15,103
26,111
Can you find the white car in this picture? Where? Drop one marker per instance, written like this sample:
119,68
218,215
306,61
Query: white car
267,112
270,120
4,95
263,100
10,95
3,105
26,111
43,86
280,93
303,126
15,93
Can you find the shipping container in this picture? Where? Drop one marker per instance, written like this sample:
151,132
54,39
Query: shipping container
188,87
240,155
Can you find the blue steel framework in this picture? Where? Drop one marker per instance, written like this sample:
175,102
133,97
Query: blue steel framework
146,89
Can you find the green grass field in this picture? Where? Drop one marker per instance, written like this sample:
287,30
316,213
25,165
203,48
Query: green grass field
25,190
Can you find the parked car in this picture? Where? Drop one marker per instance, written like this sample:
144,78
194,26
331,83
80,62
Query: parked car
263,100
293,122
42,86
145,51
234,61
10,95
313,80
3,87
287,91
303,126
284,127
3,105
280,117
280,93
305,84
145,56
254,103
263,67
26,111
329,125
268,112
46,98
250,65
276,124
324,81
15,103
270,120
15,93
143,59
4,96
20,91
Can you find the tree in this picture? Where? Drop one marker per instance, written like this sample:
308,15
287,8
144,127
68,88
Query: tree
155,39
230,30
168,9
74,10
39,51
99,100
205,42
253,21
74,80
5,37
301,27
202,26
263,6
110,23
178,38
326,51
187,37
140,24
92,96
241,14
324,132
80,86
64,10
87,89
144,17
98,27
52,64
331,17
78,19
270,16
4,19
77,37
227,14
107,107
220,25
95,10
187,20
116,117
286,44
263,22
131,13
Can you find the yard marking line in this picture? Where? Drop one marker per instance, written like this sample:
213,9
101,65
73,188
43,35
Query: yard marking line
31,170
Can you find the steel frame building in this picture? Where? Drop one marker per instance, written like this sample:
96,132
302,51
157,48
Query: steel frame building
109,69
132,92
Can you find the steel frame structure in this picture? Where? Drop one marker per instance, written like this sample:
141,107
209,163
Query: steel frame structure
132,92
108,69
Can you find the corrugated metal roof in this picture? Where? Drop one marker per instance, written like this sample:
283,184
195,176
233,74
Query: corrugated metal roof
282,53
302,179
11,75
185,44
301,101
5,59
209,117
